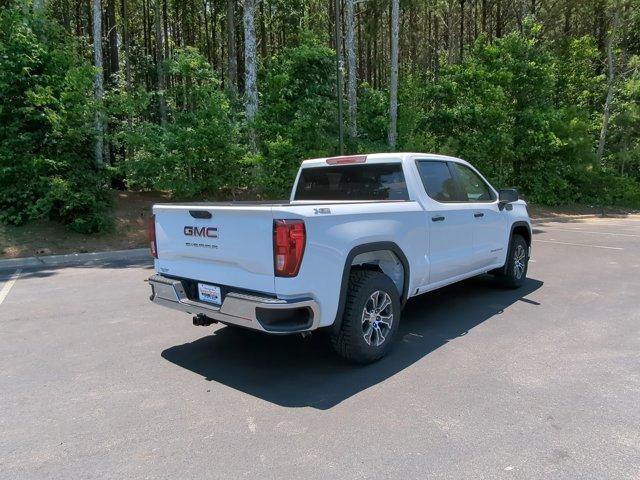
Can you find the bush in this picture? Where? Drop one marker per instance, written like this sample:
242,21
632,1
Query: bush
605,189
198,150
297,117
524,115
46,113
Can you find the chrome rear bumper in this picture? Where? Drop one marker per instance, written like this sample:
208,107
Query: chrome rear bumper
266,314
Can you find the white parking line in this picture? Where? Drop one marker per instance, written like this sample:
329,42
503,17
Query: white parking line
7,286
577,244
591,231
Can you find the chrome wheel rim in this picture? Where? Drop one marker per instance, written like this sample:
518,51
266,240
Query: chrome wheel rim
377,318
519,261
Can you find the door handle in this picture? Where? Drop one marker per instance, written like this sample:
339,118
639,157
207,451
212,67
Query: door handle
437,219
478,214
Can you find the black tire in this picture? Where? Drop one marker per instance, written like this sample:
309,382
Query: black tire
380,326
515,271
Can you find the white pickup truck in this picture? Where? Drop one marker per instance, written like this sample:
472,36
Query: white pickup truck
359,236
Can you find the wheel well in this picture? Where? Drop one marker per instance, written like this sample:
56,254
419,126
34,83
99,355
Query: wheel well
377,256
524,232
384,261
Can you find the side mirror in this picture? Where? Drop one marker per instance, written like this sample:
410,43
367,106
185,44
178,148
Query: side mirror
508,195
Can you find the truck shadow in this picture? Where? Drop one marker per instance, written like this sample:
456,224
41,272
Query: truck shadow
294,372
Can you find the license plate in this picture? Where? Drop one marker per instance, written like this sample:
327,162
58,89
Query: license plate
209,293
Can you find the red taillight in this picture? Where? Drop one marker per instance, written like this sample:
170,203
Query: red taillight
346,160
151,236
289,238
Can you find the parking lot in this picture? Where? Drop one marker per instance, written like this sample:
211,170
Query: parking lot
541,382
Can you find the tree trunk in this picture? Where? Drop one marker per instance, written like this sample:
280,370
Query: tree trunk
461,29
145,34
369,53
600,29
610,85
98,82
413,41
338,43
90,20
483,16
436,48
250,69
162,104
127,65
375,60
351,62
450,35
567,17
475,22
214,28
429,37
240,55
112,39
78,16
166,29
330,23
126,40
206,31
263,32
393,84
66,15
232,63
360,43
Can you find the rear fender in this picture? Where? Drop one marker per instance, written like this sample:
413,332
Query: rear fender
349,264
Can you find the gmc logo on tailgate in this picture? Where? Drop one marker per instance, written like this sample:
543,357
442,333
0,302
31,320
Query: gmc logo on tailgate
210,232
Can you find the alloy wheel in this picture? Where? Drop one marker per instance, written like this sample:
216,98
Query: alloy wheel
377,318
519,261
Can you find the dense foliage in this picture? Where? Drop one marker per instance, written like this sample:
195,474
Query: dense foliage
198,150
46,115
526,107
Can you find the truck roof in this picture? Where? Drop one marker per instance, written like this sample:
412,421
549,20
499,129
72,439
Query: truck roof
379,158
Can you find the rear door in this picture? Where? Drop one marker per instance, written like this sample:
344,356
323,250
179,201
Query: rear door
220,245
450,244
489,222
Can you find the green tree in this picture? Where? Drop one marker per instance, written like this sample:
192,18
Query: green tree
297,119
46,114
198,150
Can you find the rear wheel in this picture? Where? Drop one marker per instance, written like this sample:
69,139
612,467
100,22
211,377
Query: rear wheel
371,317
517,263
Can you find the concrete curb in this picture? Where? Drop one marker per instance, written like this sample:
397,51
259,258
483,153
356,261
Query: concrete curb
120,256
567,217
581,216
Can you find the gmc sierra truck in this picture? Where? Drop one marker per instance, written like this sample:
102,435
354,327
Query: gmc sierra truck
359,236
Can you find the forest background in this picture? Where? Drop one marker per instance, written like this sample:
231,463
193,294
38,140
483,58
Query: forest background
222,99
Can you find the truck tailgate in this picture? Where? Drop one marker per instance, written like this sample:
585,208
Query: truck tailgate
221,245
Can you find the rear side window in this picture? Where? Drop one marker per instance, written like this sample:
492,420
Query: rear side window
377,181
438,181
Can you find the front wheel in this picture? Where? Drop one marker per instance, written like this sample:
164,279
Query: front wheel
517,262
371,317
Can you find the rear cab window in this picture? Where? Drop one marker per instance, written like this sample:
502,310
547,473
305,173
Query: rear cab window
373,181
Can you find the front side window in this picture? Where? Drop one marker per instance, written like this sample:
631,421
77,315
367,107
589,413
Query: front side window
474,188
438,181
377,181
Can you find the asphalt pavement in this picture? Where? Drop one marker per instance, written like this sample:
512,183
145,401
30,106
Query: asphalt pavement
483,383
